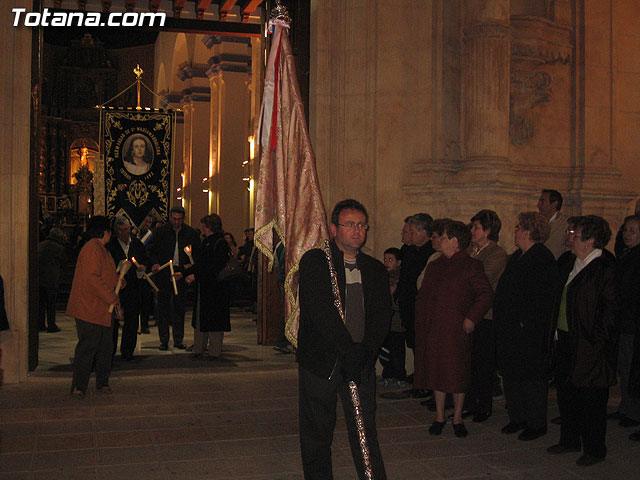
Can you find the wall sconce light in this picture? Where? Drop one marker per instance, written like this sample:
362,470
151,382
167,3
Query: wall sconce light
252,147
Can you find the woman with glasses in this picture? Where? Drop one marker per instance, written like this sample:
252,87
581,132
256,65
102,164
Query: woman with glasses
454,296
522,315
586,326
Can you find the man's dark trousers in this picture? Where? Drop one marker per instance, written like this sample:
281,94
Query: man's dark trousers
47,305
317,410
171,309
131,314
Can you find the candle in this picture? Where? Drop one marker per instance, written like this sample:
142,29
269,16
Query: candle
173,279
146,277
124,268
187,250
161,267
146,237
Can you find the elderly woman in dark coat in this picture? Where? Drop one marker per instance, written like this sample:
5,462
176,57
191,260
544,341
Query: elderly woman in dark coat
212,305
453,298
522,314
586,325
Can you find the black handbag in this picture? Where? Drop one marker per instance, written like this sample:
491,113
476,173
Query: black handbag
232,267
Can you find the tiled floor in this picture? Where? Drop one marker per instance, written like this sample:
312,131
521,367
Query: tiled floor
171,417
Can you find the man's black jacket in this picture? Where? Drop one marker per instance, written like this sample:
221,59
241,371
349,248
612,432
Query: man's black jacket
322,336
137,251
162,245
413,261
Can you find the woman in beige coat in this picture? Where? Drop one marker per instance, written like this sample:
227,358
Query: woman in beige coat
92,292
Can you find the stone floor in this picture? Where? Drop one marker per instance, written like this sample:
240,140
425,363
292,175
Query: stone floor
171,417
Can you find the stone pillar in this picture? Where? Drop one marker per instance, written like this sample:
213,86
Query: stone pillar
195,102
230,76
185,163
487,40
15,78
197,158
230,108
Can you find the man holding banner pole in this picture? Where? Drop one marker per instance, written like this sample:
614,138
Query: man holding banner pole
333,358
331,353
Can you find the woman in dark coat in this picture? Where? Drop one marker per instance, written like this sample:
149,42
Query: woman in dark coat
485,233
628,274
212,304
454,296
522,314
586,323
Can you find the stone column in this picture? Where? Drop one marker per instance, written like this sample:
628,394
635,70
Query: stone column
230,75
181,181
15,78
487,44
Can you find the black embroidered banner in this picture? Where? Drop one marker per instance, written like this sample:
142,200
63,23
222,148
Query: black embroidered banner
138,151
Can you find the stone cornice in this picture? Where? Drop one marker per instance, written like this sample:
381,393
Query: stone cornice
229,62
187,71
168,98
211,40
540,40
495,30
195,94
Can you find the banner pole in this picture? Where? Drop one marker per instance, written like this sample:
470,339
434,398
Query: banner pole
138,71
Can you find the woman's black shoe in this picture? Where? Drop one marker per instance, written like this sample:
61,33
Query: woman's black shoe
480,417
436,428
460,430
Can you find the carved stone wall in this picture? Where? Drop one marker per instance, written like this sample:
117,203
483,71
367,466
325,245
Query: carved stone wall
476,104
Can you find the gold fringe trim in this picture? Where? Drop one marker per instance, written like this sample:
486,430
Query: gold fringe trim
262,247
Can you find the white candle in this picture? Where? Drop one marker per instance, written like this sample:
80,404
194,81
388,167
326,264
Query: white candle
173,279
146,277
187,250
124,268
161,267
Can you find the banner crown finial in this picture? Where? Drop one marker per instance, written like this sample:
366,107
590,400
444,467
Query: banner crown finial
280,12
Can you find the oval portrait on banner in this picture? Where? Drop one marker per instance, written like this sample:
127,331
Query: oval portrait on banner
138,154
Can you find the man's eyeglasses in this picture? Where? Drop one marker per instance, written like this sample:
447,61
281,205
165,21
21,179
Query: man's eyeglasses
570,232
354,225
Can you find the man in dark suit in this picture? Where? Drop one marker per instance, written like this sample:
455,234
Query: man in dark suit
334,350
124,246
146,292
167,243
